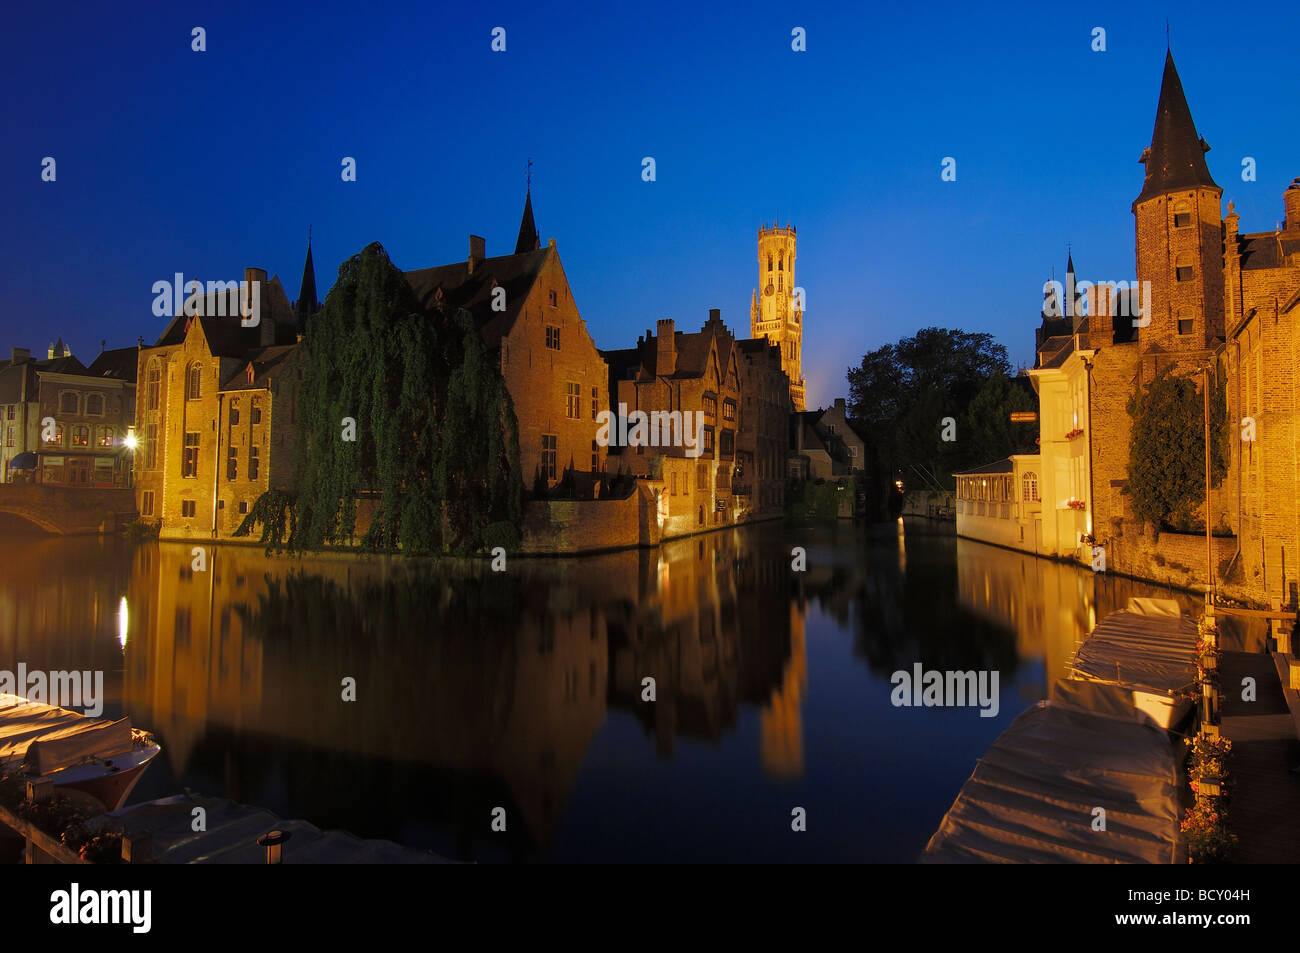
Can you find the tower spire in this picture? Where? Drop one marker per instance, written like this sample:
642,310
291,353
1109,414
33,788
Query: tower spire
307,303
1175,160
528,238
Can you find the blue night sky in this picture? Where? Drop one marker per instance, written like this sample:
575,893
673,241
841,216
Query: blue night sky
171,160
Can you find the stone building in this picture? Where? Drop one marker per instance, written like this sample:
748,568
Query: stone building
692,465
92,409
530,323
215,420
1262,351
1218,299
763,444
825,445
775,310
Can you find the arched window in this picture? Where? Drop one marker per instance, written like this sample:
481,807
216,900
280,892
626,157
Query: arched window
94,405
1029,486
194,388
780,262
68,402
769,262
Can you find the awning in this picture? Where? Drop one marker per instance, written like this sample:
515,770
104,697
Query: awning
24,461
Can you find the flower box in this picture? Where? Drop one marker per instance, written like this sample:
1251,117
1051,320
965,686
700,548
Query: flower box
1209,787
1076,432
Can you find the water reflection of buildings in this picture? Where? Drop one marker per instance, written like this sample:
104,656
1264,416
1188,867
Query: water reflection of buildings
473,689
1050,606
716,629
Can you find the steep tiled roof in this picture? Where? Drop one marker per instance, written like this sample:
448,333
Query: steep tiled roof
222,319
266,361
118,364
1175,160
1266,249
460,289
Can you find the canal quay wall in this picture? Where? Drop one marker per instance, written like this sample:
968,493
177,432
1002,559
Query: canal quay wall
565,527
1176,560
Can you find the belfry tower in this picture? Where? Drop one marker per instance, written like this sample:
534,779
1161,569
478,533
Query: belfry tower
775,310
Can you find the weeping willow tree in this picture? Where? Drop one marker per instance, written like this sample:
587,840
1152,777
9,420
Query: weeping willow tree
402,408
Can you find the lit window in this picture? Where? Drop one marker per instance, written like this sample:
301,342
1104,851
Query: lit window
572,400
80,436
194,389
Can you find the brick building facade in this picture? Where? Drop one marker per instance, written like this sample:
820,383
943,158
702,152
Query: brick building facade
1219,300
672,371
215,418
530,323
91,409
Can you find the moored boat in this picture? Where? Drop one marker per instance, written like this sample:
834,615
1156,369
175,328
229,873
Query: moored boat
105,759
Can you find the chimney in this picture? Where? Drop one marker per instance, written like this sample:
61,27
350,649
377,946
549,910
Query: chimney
839,404
251,275
20,355
477,252
715,314
1291,205
666,362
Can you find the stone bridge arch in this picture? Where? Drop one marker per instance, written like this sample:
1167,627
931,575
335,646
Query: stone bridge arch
66,510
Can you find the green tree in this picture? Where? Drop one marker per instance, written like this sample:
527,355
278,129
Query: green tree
901,393
435,440
1166,470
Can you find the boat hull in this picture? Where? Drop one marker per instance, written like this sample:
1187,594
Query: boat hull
109,780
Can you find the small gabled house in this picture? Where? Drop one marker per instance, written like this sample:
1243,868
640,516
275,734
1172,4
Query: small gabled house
529,320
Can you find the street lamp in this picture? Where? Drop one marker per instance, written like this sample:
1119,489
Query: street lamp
130,441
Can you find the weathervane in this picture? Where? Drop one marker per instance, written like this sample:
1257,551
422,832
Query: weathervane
528,175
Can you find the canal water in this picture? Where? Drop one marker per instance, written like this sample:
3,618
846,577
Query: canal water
524,690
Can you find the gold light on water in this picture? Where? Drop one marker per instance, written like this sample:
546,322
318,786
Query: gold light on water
123,620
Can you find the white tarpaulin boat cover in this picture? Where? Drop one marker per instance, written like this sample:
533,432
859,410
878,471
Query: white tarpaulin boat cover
1149,646
45,738
1032,797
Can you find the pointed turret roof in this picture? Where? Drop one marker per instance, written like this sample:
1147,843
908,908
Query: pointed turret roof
1175,160
528,240
307,304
